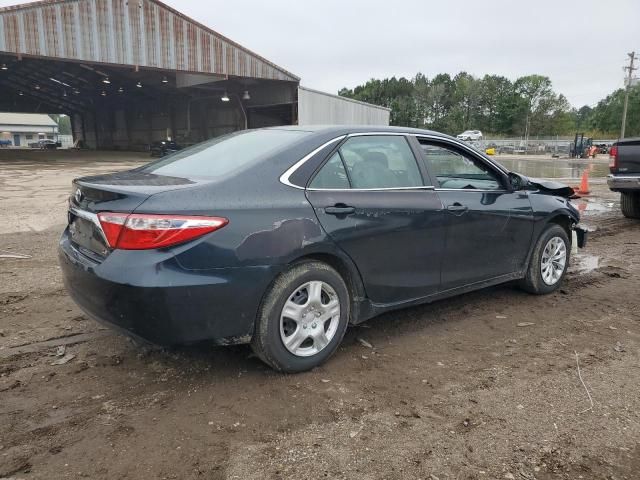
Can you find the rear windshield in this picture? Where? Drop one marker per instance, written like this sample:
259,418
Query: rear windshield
224,155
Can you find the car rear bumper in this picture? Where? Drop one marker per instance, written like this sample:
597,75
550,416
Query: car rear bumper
619,183
148,295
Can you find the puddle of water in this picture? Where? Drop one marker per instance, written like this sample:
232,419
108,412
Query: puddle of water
591,206
554,168
582,263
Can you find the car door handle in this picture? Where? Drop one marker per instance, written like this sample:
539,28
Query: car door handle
339,210
457,209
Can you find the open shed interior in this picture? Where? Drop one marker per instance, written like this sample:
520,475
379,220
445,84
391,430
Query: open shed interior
131,73
119,107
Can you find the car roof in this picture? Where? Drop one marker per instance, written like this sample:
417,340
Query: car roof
347,129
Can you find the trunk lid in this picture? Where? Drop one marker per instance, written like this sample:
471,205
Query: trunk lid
628,156
117,192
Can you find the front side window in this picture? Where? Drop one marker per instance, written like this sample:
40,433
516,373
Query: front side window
380,161
457,171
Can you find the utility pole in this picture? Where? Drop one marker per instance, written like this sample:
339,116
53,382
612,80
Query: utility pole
630,69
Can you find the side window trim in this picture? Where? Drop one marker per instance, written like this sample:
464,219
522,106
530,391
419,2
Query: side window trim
443,143
336,149
427,177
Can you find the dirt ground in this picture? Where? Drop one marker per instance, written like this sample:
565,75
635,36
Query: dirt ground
484,386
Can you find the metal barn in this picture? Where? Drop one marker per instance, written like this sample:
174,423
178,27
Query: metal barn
130,72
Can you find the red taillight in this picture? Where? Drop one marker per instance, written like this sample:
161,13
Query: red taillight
140,231
112,224
613,158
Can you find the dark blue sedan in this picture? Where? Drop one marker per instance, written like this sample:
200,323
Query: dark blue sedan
281,237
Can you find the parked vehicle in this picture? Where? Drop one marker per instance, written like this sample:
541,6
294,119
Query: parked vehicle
281,237
491,149
472,135
624,166
44,144
5,143
581,146
164,147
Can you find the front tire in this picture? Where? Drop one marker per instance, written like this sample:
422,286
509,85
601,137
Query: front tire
303,318
630,204
549,261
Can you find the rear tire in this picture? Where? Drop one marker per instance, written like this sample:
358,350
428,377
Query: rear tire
630,204
549,262
303,318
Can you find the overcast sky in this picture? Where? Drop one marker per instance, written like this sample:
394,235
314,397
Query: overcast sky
580,44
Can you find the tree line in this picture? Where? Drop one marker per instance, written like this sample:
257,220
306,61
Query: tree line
496,105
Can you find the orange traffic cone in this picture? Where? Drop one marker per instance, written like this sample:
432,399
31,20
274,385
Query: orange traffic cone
583,189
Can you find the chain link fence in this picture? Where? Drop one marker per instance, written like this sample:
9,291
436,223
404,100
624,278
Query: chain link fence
537,145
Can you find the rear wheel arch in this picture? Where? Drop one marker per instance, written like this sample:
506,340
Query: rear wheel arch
349,273
268,342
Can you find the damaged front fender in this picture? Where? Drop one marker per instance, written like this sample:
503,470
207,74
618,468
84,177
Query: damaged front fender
549,187
552,188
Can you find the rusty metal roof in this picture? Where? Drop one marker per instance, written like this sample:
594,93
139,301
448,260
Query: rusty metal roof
144,33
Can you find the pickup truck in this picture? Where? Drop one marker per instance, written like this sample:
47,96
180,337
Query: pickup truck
624,165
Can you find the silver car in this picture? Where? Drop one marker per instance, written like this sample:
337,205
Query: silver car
470,135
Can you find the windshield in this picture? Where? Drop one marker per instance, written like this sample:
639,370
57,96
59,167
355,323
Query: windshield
224,155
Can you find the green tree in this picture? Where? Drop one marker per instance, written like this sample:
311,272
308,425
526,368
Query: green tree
64,123
494,104
498,104
606,116
438,103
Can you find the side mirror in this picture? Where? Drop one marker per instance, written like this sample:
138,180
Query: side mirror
517,182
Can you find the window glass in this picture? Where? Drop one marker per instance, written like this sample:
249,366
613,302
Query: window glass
223,155
331,175
458,171
380,161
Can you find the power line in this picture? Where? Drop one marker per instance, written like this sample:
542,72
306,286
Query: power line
629,69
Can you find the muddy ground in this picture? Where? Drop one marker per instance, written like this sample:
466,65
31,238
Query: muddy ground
484,386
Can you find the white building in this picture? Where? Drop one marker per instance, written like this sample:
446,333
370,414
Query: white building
21,129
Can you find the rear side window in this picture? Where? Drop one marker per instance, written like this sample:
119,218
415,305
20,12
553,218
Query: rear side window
380,161
222,156
331,175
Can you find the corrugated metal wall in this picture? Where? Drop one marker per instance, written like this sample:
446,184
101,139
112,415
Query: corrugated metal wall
129,32
319,108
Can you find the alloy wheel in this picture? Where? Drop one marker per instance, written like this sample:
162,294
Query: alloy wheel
554,260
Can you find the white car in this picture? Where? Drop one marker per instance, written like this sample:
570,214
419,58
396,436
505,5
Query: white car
470,135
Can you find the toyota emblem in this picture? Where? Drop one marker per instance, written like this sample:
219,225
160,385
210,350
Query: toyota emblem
78,196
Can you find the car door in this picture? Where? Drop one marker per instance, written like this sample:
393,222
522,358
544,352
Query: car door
376,202
489,226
